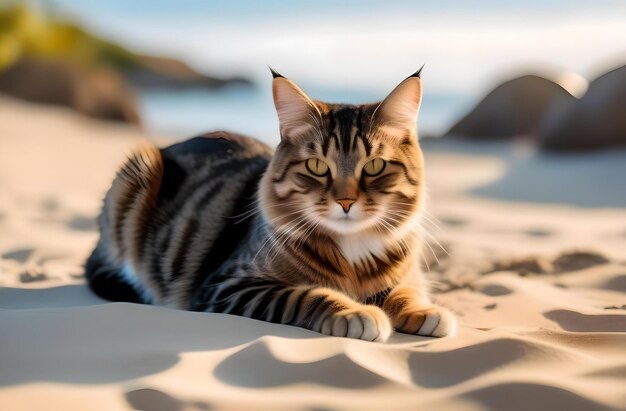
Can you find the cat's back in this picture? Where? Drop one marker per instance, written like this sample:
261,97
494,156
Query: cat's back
213,159
175,214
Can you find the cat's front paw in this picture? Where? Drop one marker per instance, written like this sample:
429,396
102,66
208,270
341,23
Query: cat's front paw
367,322
432,321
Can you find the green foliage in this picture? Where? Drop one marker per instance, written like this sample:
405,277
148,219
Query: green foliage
25,32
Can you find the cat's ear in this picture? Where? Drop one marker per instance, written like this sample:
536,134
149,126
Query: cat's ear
399,109
297,113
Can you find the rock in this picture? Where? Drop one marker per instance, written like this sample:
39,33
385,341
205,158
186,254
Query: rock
578,260
161,72
595,121
514,108
523,266
95,92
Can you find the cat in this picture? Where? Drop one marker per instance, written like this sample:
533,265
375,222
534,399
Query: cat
323,233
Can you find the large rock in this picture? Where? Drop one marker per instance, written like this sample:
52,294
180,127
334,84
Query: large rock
162,72
96,92
514,108
595,121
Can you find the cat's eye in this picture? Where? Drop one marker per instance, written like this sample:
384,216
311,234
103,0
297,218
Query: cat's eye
374,167
316,166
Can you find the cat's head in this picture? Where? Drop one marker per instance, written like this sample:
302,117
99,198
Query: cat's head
344,169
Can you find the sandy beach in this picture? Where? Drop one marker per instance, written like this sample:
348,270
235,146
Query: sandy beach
528,249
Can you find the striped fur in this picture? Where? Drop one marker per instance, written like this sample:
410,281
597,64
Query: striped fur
219,223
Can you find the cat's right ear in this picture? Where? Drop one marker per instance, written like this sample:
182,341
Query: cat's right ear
297,113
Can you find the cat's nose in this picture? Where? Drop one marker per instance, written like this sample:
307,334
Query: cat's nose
346,203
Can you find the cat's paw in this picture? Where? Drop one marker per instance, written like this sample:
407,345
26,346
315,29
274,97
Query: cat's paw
366,322
432,321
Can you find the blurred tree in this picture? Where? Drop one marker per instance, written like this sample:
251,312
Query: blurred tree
26,32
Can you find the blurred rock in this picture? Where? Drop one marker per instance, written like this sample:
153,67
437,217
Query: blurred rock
95,92
595,121
514,108
161,72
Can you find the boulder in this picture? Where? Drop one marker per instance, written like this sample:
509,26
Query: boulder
514,108
162,72
597,120
96,92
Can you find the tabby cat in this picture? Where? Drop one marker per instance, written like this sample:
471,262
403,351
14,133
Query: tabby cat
323,233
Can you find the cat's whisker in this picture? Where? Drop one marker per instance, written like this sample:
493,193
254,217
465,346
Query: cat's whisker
432,252
432,218
255,211
272,237
427,243
399,241
295,225
431,224
426,232
305,236
250,215
280,243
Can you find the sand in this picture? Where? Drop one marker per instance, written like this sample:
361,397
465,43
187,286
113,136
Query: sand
535,268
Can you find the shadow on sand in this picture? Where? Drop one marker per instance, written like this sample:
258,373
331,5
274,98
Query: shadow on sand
67,335
536,177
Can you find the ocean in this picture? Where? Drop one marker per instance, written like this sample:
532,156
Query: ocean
250,111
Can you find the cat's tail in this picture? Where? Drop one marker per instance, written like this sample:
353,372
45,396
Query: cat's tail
128,207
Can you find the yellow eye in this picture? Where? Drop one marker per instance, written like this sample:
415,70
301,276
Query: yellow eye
316,166
374,167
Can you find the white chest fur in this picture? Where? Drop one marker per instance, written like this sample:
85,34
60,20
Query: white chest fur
360,247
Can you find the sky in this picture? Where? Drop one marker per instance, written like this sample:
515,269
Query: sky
367,44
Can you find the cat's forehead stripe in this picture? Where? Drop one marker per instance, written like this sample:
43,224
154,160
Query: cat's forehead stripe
358,134
345,119
330,136
345,128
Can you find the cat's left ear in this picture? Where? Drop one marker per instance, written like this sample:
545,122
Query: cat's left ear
297,113
400,108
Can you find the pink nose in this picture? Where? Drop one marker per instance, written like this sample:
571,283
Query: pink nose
346,203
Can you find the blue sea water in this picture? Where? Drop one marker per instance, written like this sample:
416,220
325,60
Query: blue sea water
250,111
